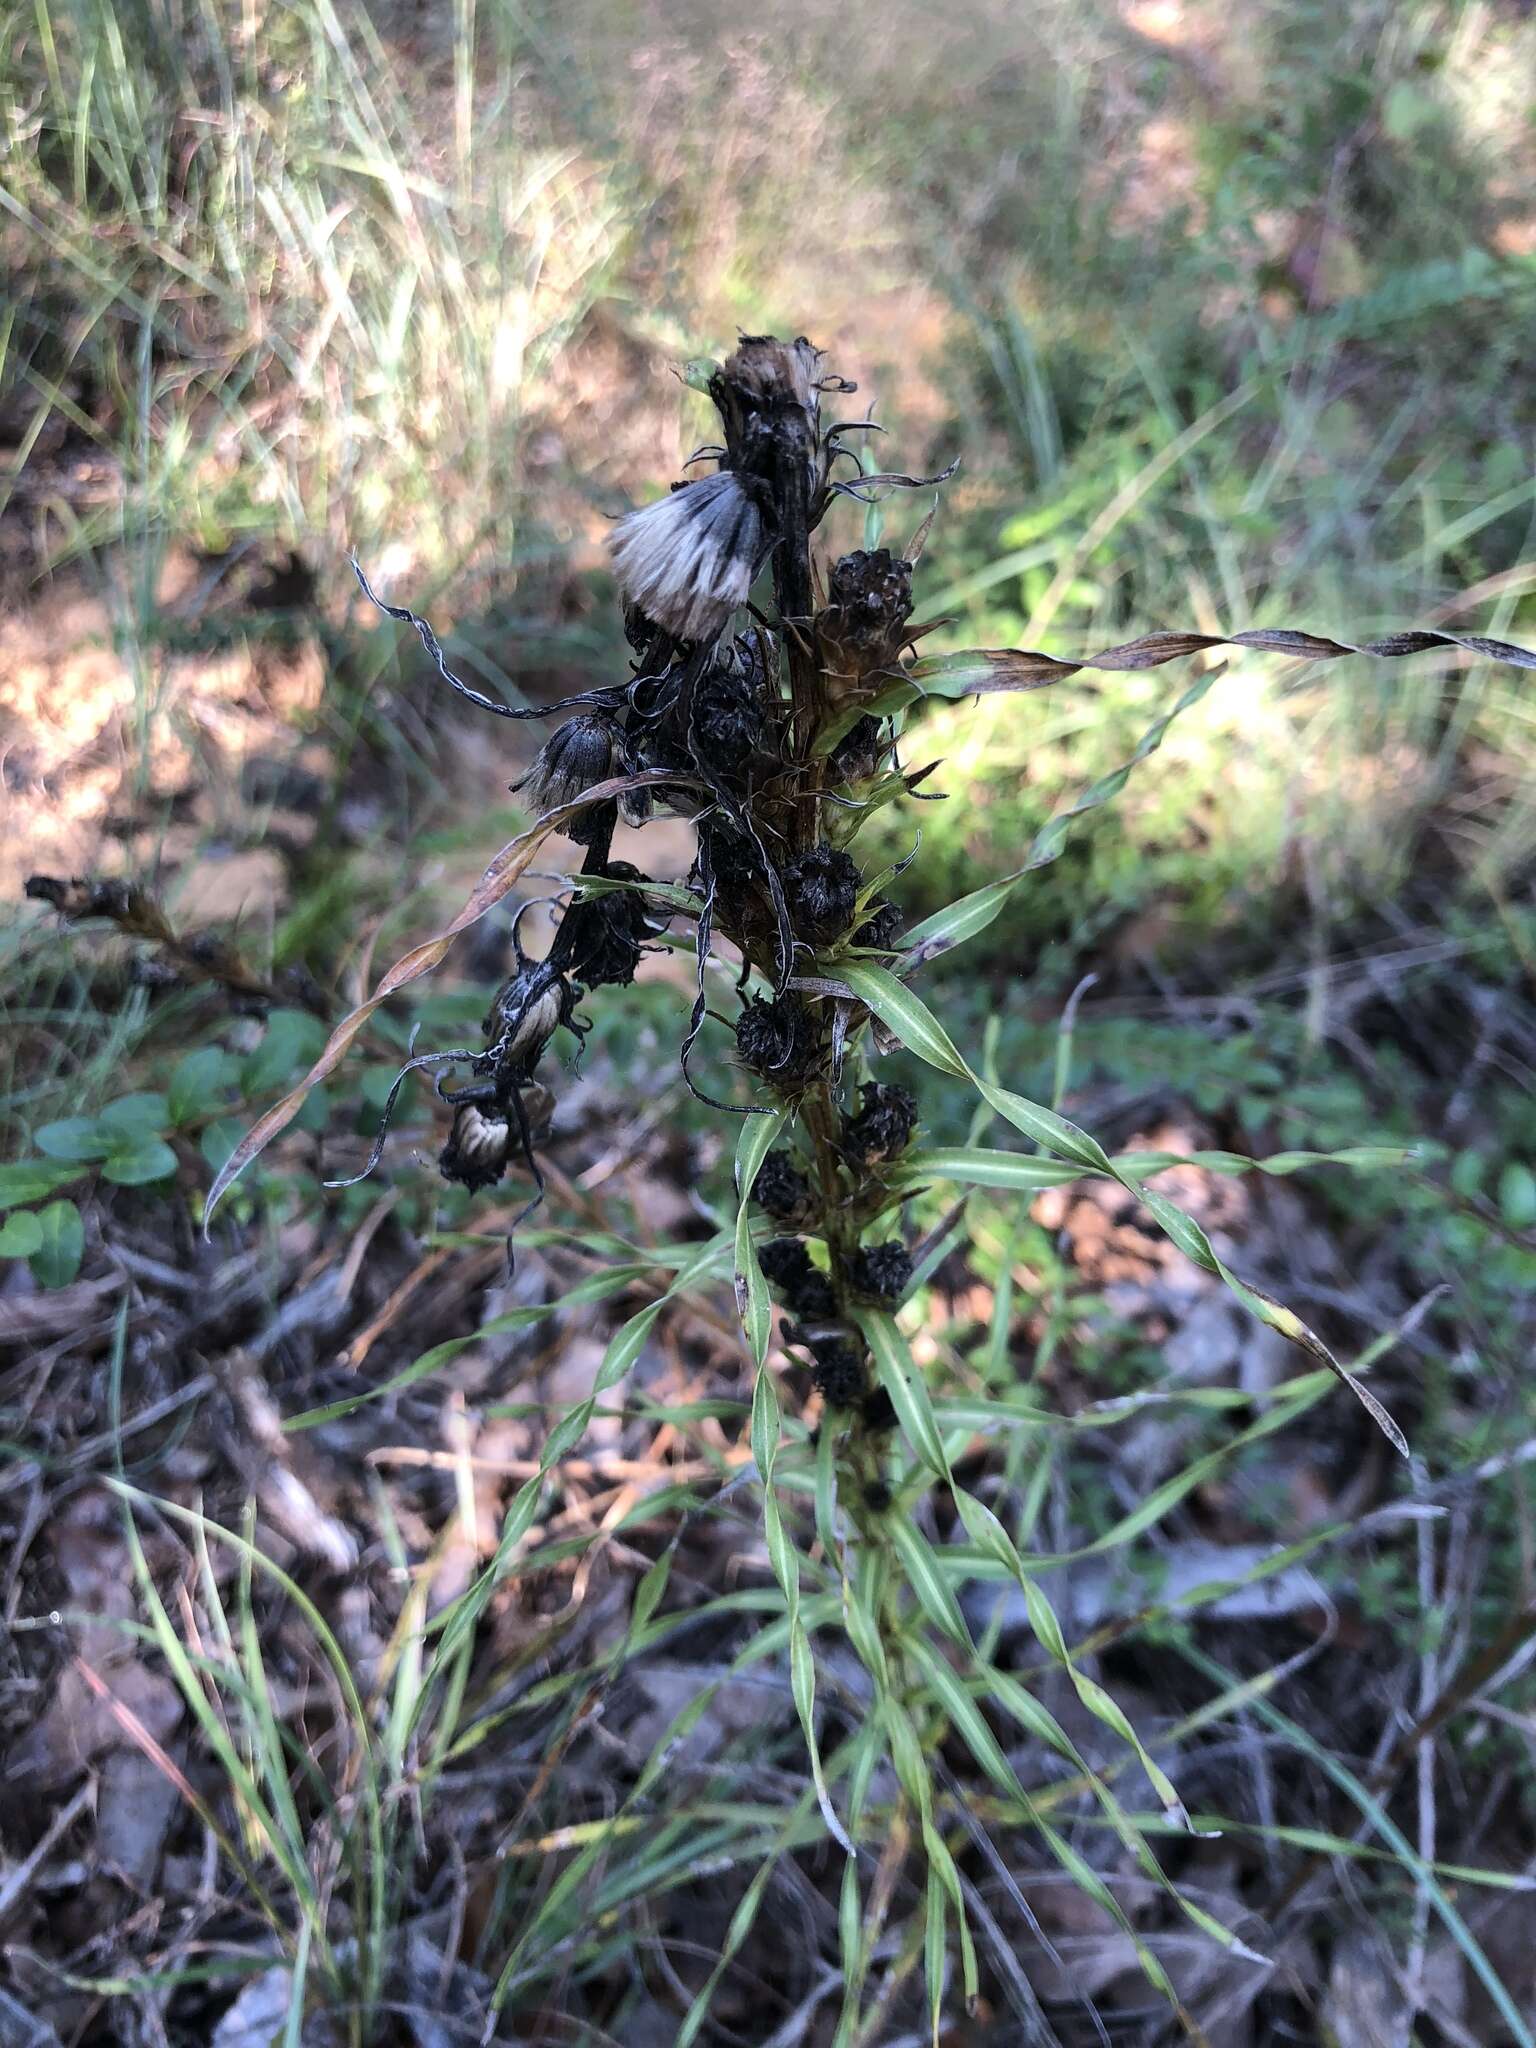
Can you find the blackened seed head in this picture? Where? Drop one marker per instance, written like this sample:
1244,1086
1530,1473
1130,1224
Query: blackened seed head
782,1189
608,932
776,1038
880,1272
784,1260
877,1496
881,927
838,1373
873,589
884,1125
578,755
879,1411
822,888
477,1150
727,722
806,1289
858,751
733,859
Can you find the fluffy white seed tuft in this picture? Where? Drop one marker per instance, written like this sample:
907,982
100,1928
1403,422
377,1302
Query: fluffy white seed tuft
482,1140
688,560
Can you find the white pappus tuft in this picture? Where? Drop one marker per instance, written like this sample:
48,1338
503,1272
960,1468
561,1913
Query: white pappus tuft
688,560
482,1140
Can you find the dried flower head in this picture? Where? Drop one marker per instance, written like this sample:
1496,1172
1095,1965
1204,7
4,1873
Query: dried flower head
527,1010
822,888
857,754
606,933
880,1272
878,1411
838,1373
806,1289
688,560
728,720
733,859
883,1126
782,1189
881,927
775,1038
477,1150
768,372
871,601
576,757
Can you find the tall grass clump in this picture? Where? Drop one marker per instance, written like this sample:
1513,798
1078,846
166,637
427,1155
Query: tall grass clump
275,296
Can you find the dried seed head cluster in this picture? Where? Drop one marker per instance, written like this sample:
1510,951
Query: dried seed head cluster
749,722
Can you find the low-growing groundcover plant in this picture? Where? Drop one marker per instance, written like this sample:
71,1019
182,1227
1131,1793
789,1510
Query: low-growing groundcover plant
779,725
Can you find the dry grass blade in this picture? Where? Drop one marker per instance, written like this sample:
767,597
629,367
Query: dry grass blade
981,671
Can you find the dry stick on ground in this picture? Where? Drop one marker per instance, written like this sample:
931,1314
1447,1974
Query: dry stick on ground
196,956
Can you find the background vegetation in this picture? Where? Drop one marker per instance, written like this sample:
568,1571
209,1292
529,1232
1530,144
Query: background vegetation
1226,315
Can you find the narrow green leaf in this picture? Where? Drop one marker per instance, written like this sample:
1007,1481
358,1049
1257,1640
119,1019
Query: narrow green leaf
935,1950
752,1302
907,1758
1047,1630
802,1680
982,1166
906,1015
966,1717
934,1594
904,1382
909,1018
765,1422
649,1591
625,1346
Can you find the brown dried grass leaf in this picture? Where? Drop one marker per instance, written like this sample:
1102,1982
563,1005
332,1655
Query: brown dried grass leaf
502,874
1005,668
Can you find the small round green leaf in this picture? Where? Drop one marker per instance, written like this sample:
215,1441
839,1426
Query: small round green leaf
200,1082
20,1235
137,1116
219,1140
1517,1195
77,1138
140,1162
291,1046
57,1258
